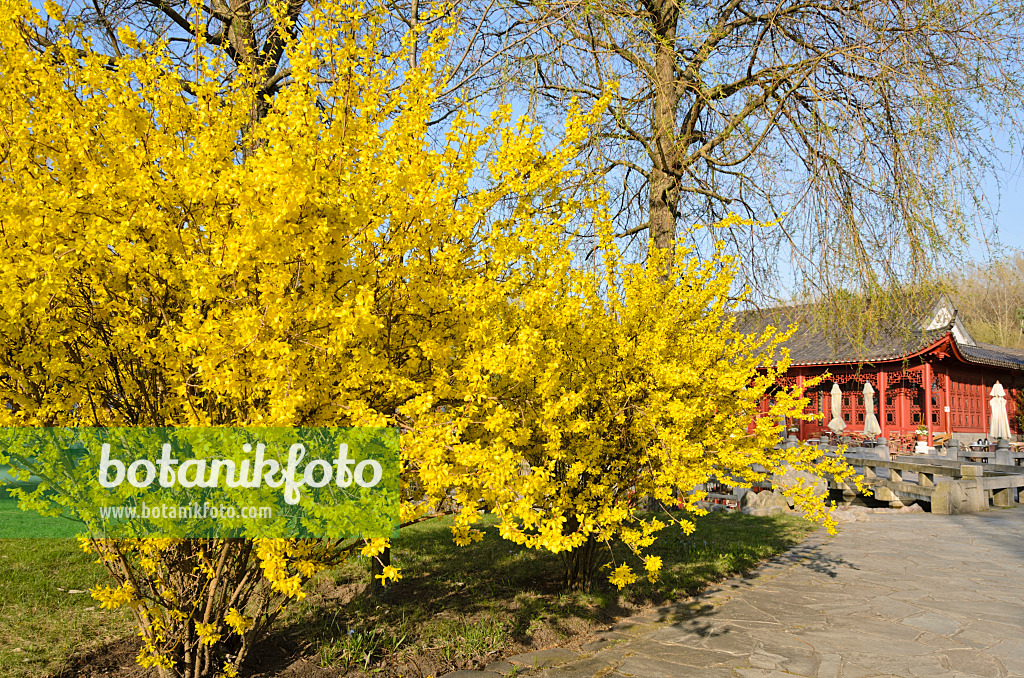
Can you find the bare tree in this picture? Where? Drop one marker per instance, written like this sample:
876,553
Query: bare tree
247,32
991,299
863,126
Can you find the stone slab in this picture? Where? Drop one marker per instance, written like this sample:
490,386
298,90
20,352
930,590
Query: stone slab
541,659
906,595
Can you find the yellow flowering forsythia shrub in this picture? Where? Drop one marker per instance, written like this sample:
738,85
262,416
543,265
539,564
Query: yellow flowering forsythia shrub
201,604
611,388
169,261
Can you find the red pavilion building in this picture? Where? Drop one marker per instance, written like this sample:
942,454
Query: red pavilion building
932,374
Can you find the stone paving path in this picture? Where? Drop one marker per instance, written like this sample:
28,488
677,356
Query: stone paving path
913,595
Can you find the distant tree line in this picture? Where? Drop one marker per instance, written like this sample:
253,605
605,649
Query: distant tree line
990,298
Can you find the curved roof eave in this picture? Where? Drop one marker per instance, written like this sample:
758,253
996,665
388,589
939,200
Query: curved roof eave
1013,360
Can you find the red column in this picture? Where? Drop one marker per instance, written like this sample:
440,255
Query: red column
881,403
947,386
801,422
928,399
984,406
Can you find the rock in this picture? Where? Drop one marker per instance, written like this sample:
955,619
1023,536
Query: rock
764,510
754,499
759,499
850,514
770,499
711,506
540,659
913,508
791,478
501,668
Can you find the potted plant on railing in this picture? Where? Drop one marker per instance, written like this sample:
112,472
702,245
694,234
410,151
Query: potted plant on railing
922,434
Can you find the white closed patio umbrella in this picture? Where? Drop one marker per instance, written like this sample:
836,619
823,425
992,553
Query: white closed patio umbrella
1000,425
837,425
871,427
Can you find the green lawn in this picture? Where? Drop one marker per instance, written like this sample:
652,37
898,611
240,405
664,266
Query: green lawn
17,524
454,607
39,623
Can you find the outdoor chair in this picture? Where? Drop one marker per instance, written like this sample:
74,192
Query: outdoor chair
858,439
901,444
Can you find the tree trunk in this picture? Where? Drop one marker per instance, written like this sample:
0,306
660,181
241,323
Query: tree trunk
663,205
580,565
378,590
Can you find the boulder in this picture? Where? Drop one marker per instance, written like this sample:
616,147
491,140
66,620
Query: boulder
766,499
791,478
850,514
764,511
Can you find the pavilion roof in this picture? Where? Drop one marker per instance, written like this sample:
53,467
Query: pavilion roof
817,343
990,354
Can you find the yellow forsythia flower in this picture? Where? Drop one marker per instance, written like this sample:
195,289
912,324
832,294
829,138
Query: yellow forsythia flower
389,572
622,576
207,633
238,622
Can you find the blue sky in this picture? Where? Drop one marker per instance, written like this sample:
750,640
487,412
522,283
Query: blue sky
1010,196
1007,194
